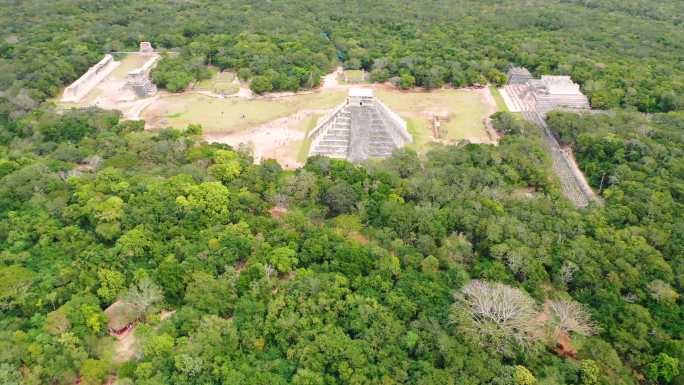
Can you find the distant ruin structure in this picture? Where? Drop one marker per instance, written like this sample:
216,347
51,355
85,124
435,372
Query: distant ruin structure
139,78
543,95
535,98
518,75
360,128
80,88
146,47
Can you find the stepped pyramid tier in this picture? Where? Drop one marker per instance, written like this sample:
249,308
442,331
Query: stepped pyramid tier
518,75
360,128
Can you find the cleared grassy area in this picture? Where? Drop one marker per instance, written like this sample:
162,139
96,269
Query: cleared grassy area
233,114
462,113
220,83
354,76
500,104
129,63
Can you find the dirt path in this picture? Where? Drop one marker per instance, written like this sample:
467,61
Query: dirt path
330,80
492,108
124,348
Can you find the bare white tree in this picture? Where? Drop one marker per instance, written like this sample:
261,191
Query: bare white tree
499,311
143,295
269,270
567,271
661,291
569,316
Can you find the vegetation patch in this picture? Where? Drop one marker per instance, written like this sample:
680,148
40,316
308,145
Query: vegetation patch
500,104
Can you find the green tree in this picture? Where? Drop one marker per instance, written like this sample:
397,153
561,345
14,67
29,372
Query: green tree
589,372
407,81
261,84
94,372
283,259
111,284
340,198
523,376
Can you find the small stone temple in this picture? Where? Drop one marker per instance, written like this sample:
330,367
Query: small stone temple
518,75
139,78
146,47
360,128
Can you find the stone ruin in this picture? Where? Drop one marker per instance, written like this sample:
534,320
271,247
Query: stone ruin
544,94
518,75
146,47
557,91
80,88
535,98
360,128
139,79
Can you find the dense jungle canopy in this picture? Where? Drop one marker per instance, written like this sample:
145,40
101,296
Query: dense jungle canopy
462,266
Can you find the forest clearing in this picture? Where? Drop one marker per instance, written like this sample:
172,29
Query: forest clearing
272,125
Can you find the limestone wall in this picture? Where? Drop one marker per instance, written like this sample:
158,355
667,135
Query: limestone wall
80,88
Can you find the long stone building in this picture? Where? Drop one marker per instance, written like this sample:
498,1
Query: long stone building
544,94
360,128
80,88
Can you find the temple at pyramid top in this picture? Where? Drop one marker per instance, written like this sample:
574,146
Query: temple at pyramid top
360,128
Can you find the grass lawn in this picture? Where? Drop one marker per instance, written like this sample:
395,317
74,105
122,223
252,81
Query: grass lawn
500,104
226,115
465,111
220,82
129,63
354,76
308,125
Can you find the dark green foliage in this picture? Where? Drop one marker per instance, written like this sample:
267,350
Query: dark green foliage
356,280
175,73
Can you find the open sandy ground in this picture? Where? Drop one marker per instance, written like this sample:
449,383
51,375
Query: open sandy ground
279,139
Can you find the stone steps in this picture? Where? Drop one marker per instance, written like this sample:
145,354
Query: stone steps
356,133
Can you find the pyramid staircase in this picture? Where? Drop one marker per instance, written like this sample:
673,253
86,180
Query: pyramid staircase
335,141
357,131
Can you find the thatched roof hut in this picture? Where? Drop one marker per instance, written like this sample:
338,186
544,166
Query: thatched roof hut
121,316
